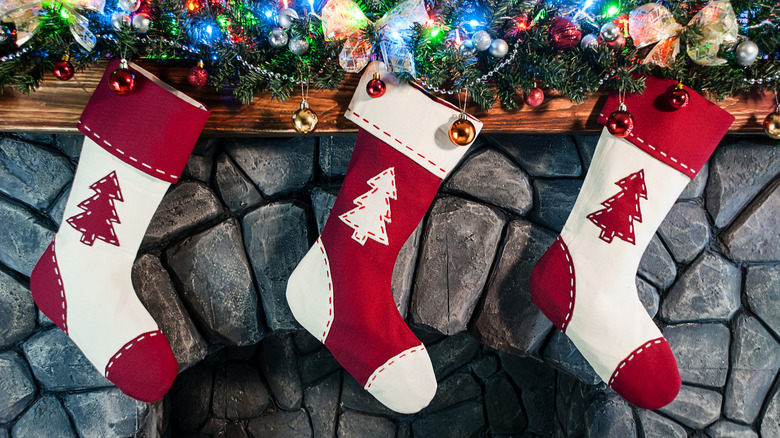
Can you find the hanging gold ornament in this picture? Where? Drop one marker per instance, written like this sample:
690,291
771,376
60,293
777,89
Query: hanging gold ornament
304,119
462,131
772,125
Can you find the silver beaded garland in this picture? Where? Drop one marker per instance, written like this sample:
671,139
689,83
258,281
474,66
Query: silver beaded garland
590,42
129,5
286,17
466,49
278,38
609,32
120,20
498,48
747,52
481,40
298,46
141,23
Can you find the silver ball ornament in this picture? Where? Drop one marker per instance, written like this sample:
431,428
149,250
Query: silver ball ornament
129,5
141,23
609,32
747,52
590,42
481,40
278,37
120,20
466,49
286,17
498,48
298,46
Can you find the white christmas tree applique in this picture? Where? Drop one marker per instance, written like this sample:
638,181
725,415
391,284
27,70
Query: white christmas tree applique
372,213
620,211
99,216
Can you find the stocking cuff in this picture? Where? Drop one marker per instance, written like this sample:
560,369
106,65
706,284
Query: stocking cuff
683,139
410,121
152,129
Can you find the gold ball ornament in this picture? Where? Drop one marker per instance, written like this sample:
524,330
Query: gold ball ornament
772,125
462,131
304,119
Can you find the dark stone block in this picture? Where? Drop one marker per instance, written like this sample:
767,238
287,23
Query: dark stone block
403,271
655,425
462,421
305,342
541,155
685,231
201,162
316,366
355,397
491,177
457,252
357,425
191,398
107,413
16,385
528,372
239,393
762,286
59,365
45,418
57,209
17,319
155,290
185,206
694,407
18,254
536,381
453,390
553,201
280,425
755,360
707,291
657,266
236,190
610,417
322,201
335,153
561,352
649,296
485,366
695,188
508,319
277,166
727,429
503,407
276,240
322,403
279,365
702,352
34,137
452,353
753,236
32,174
586,144
216,284
70,145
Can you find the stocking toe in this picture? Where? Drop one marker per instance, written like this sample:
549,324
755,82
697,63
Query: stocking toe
405,383
648,377
144,368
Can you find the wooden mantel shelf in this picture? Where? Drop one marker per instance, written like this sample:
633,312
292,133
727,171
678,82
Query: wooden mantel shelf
56,106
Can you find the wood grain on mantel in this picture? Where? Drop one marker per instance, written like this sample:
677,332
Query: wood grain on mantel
56,106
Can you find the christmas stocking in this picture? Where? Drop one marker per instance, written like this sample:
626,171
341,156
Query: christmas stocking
340,292
135,146
585,283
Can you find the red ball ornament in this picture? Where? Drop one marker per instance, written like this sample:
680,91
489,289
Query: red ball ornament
198,76
122,80
679,97
376,87
564,34
63,70
534,98
620,123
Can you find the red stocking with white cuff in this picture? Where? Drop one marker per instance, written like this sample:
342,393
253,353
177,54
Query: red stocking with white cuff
585,282
340,292
135,147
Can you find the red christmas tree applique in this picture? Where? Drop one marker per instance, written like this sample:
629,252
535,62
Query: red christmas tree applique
620,211
368,219
99,217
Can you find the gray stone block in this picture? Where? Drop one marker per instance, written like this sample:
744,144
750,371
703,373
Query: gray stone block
561,352
462,421
201,163
737,173
155,290
185,206
657,266
503,406
70,145
654,425
508,319
403,271
276,240
59,365
16,385
695,188
452,390
219,428
357,425
20,254
610,417
32,174
649,296
457,252
322,200
541,155
316,366
755,360
322,403
707,291
335,153
45,418
107,413
727,429
217,286
57,209
452,353
281,425
770,423
239,392
277,166
586,144
491,177
234,188
754,236
17,319
702,352
279,366
685,231
355,397
191,398
553,201
762,285
694,407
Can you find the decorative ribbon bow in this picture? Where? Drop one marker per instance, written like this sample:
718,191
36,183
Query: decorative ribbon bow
344,19
710,28
26,14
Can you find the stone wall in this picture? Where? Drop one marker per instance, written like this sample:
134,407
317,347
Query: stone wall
215,260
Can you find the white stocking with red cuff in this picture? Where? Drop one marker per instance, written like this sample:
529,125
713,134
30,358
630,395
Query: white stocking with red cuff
340,291
585,282
82,282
